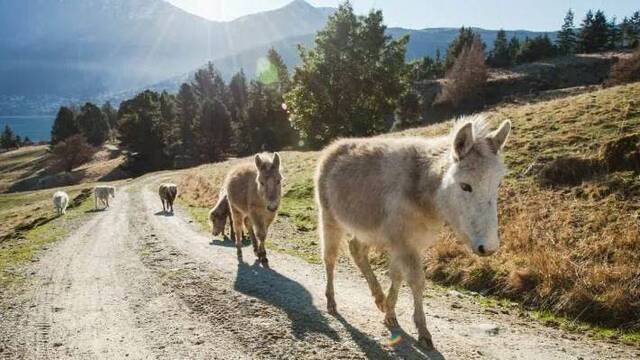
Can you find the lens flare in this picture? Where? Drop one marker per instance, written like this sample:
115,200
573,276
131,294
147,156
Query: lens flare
266,72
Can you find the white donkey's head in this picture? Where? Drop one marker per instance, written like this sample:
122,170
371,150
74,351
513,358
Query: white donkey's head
468,193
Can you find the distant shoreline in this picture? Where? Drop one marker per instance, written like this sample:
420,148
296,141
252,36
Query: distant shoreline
35,127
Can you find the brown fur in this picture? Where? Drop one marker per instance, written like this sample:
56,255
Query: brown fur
168,193
218,216
251,190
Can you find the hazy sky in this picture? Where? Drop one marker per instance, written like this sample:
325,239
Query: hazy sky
416,14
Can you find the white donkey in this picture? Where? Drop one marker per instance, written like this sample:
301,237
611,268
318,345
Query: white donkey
102,193
397,193
60,202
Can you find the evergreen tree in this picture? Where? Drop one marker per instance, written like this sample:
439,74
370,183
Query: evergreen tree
633,35
615,35
535,49
110,112
566,40
239,99
208,84
188,111
64,126
280,68
93,124
465,37
594,35
514,48
140,129
500,56
8,138
214,131
349,82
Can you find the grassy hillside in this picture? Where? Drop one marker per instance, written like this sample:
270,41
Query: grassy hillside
29,168
569,210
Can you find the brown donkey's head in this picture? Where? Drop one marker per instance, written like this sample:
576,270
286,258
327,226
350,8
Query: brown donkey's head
269,181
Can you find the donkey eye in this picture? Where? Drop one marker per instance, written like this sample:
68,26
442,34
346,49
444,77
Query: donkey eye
466,187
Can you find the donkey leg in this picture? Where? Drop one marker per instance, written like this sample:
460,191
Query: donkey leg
360,254
331,235
252,235
163,209
237,224
395,273
415,278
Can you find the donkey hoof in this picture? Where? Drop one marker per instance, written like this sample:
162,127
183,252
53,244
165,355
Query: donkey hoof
264,261
426,343
331,307
391,321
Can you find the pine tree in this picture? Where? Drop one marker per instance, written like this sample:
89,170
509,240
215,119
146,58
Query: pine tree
350,81
64,126
615,35
281,70
500,55
7,138
110,112
514,48
594,34
93,124
214,131
464,39
467,77
188,111
566,40
208,84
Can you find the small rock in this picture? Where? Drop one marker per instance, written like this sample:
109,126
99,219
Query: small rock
456,305
57,344
199,342
491,311
455,293
488,328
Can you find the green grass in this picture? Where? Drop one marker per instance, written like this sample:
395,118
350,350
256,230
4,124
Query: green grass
22,247
631,337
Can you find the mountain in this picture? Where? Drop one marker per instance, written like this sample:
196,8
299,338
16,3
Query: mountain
68,51
425,42
85,47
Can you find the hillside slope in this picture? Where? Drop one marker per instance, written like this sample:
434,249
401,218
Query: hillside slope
569,247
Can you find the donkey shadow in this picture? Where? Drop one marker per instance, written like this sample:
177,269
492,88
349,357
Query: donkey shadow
226,241
163,213
288,295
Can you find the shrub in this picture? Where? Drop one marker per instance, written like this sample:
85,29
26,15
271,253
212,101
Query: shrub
466,79
626,70
72,152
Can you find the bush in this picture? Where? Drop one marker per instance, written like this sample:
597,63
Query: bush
626,70
466,79
71,153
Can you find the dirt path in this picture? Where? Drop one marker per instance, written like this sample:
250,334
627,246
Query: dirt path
135,283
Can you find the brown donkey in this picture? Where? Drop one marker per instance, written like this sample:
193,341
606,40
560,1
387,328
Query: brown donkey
397,193
253,192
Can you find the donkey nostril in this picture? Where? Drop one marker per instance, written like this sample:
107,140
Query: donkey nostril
481,249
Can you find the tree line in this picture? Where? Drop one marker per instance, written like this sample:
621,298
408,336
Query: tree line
353,82
9,139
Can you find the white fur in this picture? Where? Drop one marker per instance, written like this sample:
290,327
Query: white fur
60,202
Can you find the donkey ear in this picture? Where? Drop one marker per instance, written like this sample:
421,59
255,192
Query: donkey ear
463,141
499,136
275,165
259,162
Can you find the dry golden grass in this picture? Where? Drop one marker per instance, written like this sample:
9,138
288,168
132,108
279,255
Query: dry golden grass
570,249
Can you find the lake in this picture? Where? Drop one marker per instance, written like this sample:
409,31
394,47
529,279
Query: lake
37,128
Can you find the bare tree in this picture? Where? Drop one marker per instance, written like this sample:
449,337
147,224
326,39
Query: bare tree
464,83
625,70
72,152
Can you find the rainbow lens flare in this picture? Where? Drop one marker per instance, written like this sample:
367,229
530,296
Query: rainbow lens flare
395,340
